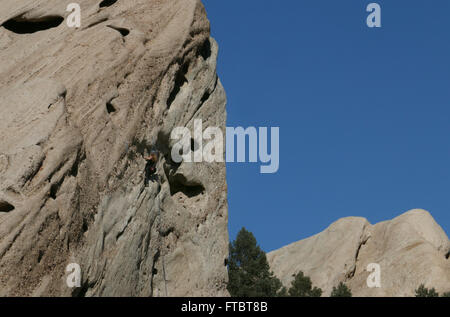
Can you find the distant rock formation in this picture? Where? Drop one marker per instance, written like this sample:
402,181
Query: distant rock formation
79,109
411,249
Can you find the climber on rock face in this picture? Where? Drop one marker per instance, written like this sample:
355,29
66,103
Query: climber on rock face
150,167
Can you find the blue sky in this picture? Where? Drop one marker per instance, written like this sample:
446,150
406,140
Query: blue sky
364,114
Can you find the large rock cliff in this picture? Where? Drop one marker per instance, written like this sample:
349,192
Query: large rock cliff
410,250
79,109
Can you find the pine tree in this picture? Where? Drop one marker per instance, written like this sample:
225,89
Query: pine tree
422,291
301,286
341,291
248,269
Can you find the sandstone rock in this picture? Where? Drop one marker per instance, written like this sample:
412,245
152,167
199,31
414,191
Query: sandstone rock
411,249
79,108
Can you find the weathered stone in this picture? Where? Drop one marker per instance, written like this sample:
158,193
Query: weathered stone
79,109
411,249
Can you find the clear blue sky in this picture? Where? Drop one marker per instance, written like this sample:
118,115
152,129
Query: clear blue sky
364,114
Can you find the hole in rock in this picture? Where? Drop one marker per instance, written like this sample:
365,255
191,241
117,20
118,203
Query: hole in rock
81,291
205,50
178,183
194,145
40,255
190,191
205,97
110,108
180,79
54,190
74,169
85,226
107,3
26,26
6,206
124,32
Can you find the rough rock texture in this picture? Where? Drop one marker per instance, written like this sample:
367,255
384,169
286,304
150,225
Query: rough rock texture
79,108
411,249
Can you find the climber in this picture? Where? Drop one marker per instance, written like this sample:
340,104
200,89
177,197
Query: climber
150,167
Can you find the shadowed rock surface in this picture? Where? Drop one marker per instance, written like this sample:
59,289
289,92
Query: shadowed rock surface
79,109
411,249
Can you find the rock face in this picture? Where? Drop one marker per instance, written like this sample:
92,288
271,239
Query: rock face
79,109
411,249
